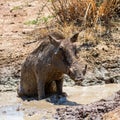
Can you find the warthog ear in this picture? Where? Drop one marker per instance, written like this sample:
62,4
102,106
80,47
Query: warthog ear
54,41
74,37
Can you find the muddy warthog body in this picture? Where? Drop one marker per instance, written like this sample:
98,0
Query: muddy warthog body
48,63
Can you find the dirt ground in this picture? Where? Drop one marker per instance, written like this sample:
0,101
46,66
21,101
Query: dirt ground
19,36
14,37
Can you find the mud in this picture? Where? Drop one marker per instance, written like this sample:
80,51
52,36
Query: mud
113,115
93,111
12,107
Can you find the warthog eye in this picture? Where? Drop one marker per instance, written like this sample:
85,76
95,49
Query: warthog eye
65,55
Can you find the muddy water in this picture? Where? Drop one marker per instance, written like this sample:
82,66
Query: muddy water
86,95
14,108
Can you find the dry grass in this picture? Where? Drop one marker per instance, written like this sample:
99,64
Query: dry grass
83,12
91,16
74,11
67,30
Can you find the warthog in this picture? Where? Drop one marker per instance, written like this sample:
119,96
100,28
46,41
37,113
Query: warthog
53,58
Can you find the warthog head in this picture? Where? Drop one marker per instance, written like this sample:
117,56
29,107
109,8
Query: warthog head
65,57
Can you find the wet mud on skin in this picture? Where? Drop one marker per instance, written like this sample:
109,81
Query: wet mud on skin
12,107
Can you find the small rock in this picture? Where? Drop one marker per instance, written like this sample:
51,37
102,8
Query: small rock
95,53
15,15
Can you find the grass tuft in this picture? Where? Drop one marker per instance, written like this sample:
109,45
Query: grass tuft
83,12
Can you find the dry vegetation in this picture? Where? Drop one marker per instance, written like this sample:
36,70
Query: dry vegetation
81,14
70,16
84,11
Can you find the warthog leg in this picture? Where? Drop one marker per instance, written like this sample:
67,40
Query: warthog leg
59,85
41,89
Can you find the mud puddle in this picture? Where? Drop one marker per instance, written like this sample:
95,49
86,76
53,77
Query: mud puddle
11,113
14,108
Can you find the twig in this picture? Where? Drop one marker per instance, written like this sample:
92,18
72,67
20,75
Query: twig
86,13
27,43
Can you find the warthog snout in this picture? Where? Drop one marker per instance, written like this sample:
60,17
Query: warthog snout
75,73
